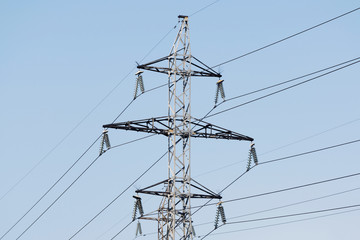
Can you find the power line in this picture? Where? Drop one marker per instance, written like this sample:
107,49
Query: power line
286,38
275,208
283,223
287,81
202,9
57,181
112,201
84,118
283,89
122,230
295,214
288,189
74,181
57,198
68,170
275,160
309,152
288,205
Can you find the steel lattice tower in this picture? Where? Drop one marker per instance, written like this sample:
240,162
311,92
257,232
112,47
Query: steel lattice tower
174,213
179,171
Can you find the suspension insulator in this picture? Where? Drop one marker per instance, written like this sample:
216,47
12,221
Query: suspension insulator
249,161
219,89
216,223
193,230
138,229
104,141
253,153
222,214
135,210
140,207
107,141
139,84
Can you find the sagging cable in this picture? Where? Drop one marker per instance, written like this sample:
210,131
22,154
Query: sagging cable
104,142
139,84
219,90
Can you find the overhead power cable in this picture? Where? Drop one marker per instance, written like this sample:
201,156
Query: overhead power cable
241,175
73,182
292,188
85,117
296,214
112,201
67,171
288,37
278,224
56,146
52,186
203,8
294,221
284,158
287,205
283,89
309,152
287,81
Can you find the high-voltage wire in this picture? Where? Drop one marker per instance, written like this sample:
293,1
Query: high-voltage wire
241,175
88,114
67,171
287,81
283,89
57,181
296,214
288,157
286,38
203,8
280,207
300,220
76,179
294,221
87,168
291,188
289,144
309,152
110,203
288,205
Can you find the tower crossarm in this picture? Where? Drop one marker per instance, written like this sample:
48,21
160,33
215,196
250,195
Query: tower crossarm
198,69
159,125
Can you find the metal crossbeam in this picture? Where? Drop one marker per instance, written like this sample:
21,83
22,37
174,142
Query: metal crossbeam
203,191
159,125
198,69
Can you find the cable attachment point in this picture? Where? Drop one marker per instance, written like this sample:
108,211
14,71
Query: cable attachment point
139,84
220,213
219,89
252,156
138,229
137,207
104,141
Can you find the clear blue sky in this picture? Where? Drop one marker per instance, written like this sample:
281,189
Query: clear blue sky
59,59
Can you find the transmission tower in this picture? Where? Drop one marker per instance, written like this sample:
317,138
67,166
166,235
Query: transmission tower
174,212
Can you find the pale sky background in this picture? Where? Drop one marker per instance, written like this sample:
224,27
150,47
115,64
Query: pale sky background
59,59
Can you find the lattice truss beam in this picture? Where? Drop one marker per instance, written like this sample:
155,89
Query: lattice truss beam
198,68
159,125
